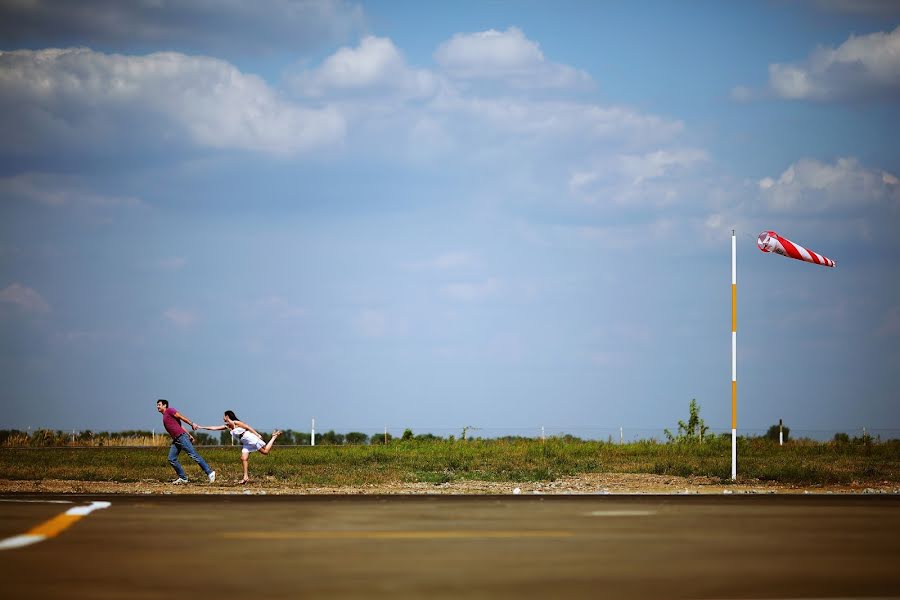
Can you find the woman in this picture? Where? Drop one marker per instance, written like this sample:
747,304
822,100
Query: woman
250,439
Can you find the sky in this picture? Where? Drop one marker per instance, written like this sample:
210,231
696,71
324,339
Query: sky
494,214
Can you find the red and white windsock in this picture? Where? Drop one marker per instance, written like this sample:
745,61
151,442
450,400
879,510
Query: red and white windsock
769,241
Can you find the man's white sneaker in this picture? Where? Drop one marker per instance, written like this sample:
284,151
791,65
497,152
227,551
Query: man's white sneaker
180,481
212,476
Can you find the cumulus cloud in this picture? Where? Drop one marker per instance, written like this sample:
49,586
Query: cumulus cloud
375,66
24,299
630,178
431,115
863,68
223,27
53,100
812,187
575,121
506,56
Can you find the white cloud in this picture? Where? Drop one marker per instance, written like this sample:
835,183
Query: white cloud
576,122
180,317
217,26
472,291
506,56
374,66
659,163
864,67
431,116
809,186
631,178
55,99
24,298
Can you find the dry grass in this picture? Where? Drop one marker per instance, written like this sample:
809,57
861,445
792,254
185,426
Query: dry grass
520,460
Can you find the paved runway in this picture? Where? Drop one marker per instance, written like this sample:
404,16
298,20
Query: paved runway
438,546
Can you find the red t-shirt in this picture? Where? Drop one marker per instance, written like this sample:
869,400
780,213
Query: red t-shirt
171,423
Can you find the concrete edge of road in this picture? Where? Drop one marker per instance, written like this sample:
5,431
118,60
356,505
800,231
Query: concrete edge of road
412,498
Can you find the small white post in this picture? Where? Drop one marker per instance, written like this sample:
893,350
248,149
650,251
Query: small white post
73,437
312,437
621,435
385,434
542,433
780,433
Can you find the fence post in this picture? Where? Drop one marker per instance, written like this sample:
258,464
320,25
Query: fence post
780,433
621,435
385,434
542,433
312,437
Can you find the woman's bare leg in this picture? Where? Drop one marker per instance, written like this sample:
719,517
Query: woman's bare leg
245,459
265,449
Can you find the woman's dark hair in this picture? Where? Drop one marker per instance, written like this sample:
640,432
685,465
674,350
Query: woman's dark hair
230,414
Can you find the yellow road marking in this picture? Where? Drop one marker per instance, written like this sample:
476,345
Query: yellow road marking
394,535
51,528
55,525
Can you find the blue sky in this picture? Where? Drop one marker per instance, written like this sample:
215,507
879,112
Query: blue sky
496,214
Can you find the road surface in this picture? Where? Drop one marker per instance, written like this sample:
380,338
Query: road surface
454,546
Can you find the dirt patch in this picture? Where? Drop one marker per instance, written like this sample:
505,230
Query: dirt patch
590,483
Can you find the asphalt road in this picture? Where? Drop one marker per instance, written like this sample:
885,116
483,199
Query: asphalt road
472,546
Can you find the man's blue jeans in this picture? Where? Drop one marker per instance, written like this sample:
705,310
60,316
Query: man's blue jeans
183,442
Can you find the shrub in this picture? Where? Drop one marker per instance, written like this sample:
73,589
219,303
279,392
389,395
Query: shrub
693,430
772,433
356,437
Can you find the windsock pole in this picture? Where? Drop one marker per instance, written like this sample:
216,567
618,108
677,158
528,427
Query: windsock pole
733,357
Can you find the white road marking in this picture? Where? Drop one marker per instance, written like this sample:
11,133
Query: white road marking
53,527
621,513
40,501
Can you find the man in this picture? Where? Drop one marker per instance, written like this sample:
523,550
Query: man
181,440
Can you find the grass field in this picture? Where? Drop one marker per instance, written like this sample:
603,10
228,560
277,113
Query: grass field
520,460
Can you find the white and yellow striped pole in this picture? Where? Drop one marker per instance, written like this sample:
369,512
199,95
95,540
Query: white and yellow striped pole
733,357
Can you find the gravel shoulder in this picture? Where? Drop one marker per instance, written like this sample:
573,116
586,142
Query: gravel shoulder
589,483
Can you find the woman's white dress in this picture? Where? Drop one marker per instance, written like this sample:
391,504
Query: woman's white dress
250,442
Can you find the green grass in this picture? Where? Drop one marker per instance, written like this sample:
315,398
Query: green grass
444,461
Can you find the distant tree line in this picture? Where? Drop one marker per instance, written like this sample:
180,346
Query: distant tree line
688,433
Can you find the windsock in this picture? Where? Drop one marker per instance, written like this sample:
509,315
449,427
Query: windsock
769,241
